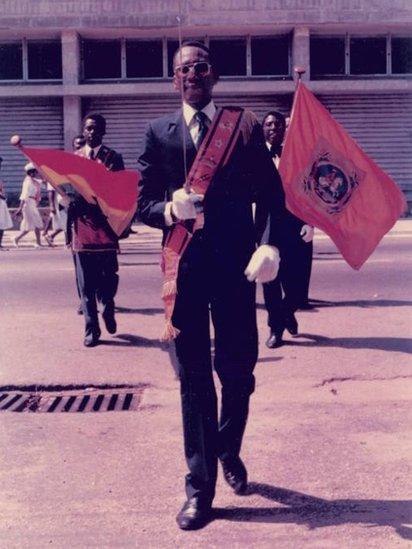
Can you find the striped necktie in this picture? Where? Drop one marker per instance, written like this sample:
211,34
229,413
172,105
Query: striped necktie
202,119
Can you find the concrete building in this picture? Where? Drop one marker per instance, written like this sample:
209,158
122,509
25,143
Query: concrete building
60,59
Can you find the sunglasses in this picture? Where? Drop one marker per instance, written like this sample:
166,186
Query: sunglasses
201,68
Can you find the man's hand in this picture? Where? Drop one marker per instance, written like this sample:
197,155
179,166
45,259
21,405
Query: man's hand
306,233
263,265
183,204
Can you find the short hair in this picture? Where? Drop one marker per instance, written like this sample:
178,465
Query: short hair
276,114
193,44
98,118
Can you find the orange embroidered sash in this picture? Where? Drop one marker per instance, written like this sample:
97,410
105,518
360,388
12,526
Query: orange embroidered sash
214,153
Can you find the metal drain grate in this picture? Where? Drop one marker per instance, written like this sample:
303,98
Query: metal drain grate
93,399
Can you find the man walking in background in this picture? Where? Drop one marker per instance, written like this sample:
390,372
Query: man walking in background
284,295
93,242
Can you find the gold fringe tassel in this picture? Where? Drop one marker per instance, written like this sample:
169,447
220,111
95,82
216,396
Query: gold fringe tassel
169,288
170,332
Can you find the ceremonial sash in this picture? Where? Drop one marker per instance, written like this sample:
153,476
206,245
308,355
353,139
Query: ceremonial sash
214,153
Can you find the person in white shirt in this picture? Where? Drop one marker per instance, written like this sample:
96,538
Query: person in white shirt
6,221
28,208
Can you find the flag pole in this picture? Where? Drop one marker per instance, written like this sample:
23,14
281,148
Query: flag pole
299,72
186,185
16,141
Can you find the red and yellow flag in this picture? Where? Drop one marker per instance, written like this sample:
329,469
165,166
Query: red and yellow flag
114,192
332,184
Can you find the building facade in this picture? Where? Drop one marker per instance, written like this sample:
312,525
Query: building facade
62,59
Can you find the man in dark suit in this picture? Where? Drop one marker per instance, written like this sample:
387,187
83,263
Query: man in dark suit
216,273
93,242
284,295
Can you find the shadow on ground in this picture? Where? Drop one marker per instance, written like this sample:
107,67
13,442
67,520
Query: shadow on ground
317,512
399,344
140,311
130,340
361,303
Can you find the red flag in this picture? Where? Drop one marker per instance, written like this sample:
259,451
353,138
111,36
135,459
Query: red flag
332,184
114,192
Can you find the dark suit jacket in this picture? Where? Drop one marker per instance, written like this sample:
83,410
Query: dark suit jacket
92,231
248,177
291,225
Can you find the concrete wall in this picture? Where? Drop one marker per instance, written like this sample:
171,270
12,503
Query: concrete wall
86,14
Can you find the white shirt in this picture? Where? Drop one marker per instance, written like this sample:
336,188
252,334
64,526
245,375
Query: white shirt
30,188
191,122
276,159
95,150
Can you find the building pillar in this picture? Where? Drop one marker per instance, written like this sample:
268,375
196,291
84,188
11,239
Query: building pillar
70,57
71,72
72,119
301,51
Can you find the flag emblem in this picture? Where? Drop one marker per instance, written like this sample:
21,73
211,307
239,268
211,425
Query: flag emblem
330,179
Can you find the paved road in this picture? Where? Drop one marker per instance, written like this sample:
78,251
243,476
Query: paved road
328,445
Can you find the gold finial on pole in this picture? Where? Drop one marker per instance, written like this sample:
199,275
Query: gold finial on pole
16,141
299,71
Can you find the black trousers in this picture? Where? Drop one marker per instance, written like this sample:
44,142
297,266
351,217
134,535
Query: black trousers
289,290
97,280
209,288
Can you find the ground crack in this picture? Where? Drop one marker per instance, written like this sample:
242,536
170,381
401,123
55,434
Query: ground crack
355,378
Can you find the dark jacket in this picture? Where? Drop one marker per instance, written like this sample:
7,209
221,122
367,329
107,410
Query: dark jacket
247,177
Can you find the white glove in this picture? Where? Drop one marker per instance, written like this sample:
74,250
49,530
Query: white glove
263,265
306,233
183,204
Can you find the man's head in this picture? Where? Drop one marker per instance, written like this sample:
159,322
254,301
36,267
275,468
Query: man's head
194,73
78,142
94,128
274,127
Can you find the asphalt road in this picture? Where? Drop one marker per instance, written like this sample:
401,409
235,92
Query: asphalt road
328,444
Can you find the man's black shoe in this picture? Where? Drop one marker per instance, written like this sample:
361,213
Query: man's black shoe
194,514
92,339
274,340
291,324
235,474
110,323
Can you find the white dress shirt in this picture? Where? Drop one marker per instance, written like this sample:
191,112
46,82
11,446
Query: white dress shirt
191,122
193,126
276,159
95,150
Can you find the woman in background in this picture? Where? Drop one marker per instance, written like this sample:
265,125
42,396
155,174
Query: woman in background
5,219
29,200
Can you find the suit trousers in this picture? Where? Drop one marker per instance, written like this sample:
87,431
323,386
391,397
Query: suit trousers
209,287
97,280
288,291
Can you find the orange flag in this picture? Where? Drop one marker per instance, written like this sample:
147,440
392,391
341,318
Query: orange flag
114,192
332,184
